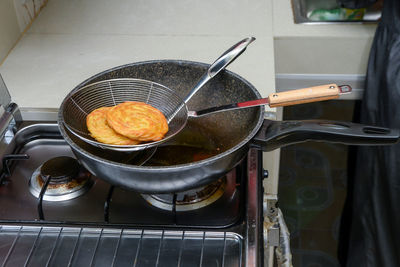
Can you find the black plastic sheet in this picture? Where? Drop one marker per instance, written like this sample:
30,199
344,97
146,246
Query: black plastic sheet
371,219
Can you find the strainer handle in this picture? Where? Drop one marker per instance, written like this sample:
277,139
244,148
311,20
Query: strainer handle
221,63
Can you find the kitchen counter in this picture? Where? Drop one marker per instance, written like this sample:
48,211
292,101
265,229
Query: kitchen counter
72,40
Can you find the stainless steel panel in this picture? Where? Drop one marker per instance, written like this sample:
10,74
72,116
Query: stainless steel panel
5,97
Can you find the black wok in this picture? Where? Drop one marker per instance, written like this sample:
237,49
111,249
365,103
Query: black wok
210,146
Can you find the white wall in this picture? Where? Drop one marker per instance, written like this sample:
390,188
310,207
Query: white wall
9,28
319,48
15,17
284,25
27,11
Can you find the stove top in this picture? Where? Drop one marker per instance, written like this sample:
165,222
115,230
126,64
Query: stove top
49,202
95,201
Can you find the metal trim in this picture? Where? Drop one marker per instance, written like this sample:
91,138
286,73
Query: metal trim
5,98
91,245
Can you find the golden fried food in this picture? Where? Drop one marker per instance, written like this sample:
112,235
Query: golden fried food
138,121
97,125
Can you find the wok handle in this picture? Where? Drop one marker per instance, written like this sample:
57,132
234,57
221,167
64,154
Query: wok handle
306,95
276,134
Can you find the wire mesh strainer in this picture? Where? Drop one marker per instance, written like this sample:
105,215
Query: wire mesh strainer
109,93
78,104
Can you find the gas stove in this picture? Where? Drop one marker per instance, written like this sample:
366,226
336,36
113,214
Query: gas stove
53,212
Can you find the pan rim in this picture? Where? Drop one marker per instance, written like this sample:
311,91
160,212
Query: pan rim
178,167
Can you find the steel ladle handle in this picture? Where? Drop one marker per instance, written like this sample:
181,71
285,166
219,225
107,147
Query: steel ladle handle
221,63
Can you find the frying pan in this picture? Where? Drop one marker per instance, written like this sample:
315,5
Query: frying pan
229,135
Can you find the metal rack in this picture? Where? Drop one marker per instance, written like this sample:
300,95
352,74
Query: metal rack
75,246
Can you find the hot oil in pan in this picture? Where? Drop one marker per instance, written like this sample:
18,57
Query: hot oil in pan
193,144
179,154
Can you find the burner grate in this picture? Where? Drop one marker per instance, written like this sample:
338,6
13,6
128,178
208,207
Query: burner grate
58,179
74,246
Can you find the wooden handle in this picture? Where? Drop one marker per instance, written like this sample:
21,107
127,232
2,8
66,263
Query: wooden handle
305,95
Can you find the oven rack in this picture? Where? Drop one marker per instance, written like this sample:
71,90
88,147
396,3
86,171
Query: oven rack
76,246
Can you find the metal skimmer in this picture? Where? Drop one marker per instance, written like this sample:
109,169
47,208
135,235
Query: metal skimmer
112,92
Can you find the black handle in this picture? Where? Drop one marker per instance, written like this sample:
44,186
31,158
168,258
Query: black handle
276,134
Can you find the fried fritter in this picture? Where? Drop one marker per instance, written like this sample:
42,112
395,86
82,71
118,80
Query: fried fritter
97,125
138,121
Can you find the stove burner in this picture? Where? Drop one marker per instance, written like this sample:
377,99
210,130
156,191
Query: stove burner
61,170
189,200
68,179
